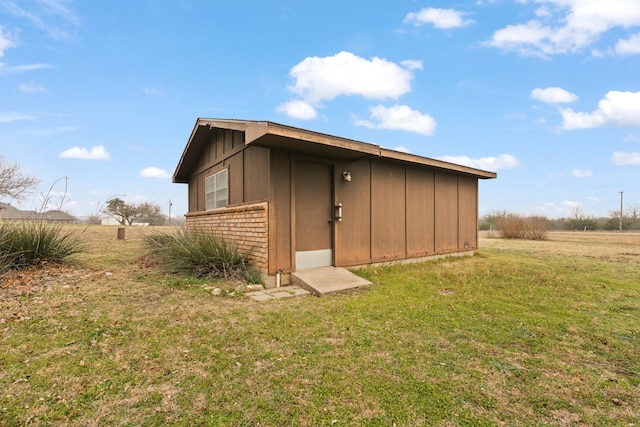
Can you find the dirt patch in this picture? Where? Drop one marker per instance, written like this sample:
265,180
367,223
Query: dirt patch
44,277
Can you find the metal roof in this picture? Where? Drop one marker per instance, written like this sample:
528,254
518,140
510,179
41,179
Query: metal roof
278,136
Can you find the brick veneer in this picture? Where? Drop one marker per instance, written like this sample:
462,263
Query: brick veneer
247,226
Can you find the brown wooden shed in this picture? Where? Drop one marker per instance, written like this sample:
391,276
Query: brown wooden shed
299,199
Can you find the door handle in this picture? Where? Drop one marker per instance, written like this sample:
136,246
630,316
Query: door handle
337,212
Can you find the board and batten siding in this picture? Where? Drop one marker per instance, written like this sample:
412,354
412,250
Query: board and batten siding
280,226
248,169
394,211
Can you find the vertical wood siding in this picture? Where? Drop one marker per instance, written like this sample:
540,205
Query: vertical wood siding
353,233
235,165
194,189
446,212
280,249
395,211
468,212
248,170
420,212
256,174
388,211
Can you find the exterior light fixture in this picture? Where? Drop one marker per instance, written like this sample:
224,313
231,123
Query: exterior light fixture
346,176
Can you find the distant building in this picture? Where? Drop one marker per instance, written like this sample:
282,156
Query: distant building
110,221
11,213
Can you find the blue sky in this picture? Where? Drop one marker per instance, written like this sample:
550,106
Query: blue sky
98,99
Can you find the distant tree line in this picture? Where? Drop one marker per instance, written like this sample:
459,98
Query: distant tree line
577,221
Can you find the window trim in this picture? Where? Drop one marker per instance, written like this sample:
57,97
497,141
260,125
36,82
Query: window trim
213,203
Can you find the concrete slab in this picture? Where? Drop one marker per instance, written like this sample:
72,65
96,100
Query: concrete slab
276,293
259,296
324,280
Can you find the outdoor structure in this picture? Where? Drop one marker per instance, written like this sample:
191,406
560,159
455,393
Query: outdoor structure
11,213
299,199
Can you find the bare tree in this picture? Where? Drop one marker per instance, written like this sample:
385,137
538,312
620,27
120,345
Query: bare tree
577,213
94,219
633,213
13,183
151,213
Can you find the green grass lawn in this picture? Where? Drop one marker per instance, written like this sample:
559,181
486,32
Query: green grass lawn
522,334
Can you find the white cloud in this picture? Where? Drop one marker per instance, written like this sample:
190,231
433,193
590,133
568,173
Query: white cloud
521,37
440,18
503,161
623,158
572,204
630,46
578,173
297,109
399,117
553,95
323,79
412,64
153,91
6,41
31,88
5,71
543,12
96,153
13,116
631,138
593,199
566,26
154,172
617,108
53,131
48,15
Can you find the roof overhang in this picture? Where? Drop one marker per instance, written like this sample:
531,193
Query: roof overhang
282,137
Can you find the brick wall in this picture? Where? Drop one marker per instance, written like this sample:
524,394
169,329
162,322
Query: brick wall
247,226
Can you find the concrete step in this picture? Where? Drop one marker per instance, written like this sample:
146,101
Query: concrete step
320,281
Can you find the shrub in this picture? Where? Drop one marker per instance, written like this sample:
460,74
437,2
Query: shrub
29,243
538,228
513,226
200,254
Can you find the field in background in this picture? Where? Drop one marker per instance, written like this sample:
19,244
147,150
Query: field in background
524,333
590,244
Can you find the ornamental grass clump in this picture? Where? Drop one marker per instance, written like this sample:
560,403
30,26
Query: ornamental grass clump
26,243
6,259
200,254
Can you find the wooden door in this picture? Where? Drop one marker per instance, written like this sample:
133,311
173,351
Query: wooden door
313,214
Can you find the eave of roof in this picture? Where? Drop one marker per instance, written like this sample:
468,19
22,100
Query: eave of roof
275,135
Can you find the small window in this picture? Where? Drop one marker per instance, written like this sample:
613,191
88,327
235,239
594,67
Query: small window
215,190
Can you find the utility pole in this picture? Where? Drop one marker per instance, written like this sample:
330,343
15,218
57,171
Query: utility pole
170,204
621,193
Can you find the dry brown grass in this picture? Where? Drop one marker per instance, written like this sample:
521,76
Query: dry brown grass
622,247
527,333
